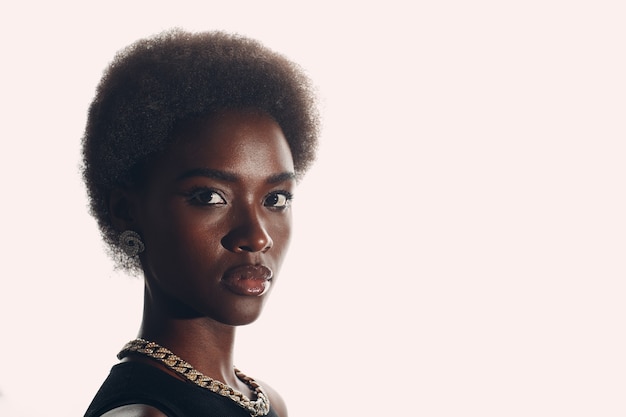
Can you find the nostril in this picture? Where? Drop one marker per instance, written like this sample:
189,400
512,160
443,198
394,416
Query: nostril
268,246
248,238
262,245
240,244
246,249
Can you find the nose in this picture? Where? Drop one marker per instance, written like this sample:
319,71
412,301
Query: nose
248,236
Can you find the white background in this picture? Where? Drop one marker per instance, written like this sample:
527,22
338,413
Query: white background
459,246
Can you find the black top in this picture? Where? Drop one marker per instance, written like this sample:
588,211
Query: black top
140,383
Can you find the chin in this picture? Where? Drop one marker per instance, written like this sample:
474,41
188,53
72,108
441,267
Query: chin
244,317
242,313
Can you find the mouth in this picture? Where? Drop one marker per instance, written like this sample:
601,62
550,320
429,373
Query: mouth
249,280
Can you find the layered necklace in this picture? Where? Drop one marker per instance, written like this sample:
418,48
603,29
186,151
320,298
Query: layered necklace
258,407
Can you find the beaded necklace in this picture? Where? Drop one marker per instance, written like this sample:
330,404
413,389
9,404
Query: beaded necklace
258,407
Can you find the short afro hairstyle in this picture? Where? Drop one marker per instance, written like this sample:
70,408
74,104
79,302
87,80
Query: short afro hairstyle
157,84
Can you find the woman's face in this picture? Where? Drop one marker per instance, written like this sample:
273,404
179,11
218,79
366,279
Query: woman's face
215,218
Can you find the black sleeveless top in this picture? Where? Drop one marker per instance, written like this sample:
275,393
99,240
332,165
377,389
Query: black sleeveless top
140,383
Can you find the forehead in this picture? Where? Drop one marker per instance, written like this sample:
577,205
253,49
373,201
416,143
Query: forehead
243,142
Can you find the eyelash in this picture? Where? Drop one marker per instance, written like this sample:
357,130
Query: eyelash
288,199
195,198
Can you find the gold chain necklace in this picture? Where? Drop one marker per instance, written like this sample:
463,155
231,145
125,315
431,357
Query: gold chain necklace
259,407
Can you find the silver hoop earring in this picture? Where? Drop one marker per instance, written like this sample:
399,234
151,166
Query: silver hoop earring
131,243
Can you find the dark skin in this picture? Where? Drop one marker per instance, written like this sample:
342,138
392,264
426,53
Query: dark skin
218,199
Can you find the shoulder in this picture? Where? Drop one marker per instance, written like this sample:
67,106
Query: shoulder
276,401
135,410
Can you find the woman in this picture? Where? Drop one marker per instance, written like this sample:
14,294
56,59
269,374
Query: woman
193,147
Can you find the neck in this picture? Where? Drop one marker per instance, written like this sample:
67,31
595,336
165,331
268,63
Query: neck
205,343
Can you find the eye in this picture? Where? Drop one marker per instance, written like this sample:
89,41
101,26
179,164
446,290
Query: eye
206,197
278,200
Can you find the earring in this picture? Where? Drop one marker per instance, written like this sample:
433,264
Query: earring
131,243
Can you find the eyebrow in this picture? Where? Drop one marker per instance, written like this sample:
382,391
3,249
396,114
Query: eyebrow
282,177
230,177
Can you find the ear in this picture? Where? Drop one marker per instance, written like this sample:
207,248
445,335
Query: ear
123,209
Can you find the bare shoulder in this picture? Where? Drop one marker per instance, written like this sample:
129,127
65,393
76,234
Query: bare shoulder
276,401
135,410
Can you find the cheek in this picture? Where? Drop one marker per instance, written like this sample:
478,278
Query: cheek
194,242
281,236
177,236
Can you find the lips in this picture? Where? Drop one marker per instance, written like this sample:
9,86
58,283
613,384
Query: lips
250,280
